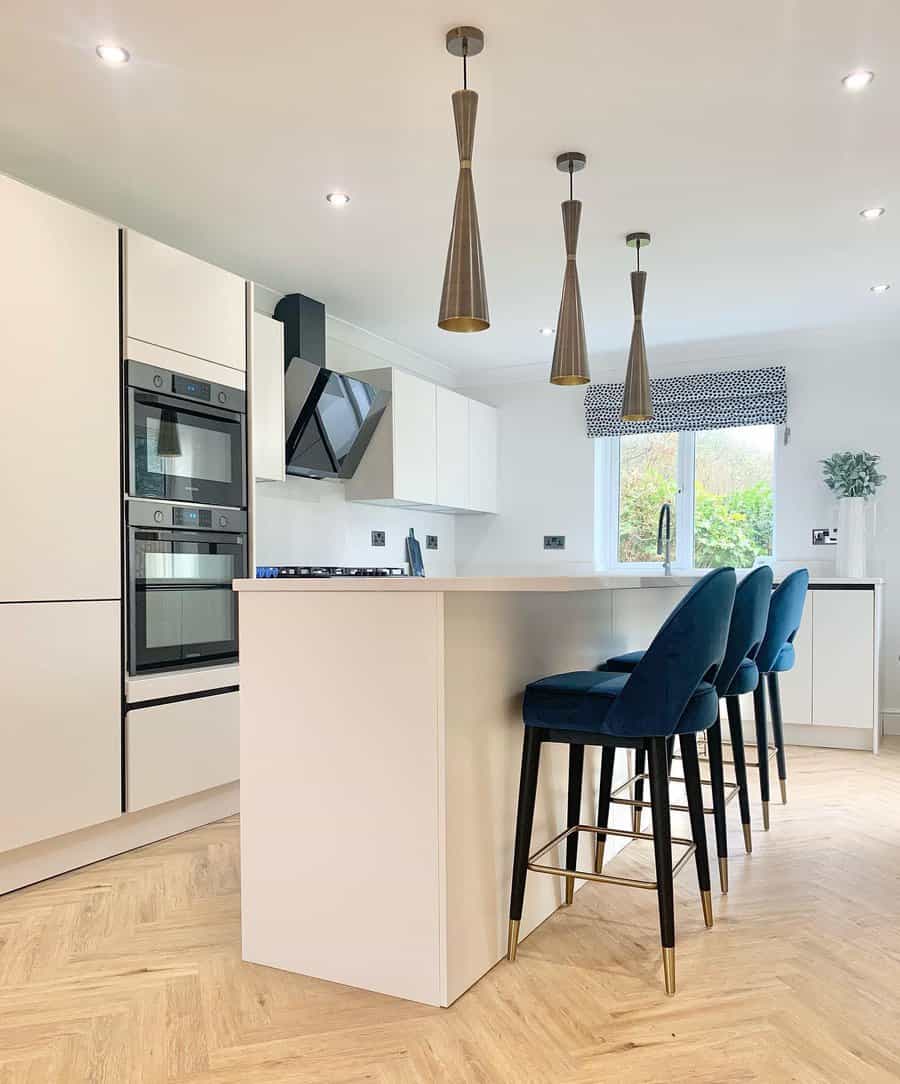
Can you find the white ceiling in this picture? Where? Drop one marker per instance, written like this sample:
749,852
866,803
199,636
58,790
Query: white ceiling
722,128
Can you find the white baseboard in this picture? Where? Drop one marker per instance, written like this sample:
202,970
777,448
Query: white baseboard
38,861
823,737
890,722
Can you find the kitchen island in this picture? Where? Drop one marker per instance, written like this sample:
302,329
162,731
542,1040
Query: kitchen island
381,737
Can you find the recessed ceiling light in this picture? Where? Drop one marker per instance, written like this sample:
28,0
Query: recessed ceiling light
546,330
338,199
880,287
871,213
858,80
113,54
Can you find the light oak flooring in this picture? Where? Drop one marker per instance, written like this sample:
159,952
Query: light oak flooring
129,971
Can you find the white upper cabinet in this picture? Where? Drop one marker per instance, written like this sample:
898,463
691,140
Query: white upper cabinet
413,410
482,457
60,487
452,417
180,303
267,398
433,448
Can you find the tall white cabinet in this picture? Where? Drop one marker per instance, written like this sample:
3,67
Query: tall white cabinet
59,418
60,577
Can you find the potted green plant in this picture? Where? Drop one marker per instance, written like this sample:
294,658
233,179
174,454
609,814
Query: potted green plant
853,477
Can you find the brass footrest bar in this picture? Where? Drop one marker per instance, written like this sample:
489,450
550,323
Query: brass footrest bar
772,753
733,789
605,878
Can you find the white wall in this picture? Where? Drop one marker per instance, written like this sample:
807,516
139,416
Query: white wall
306,522
844,392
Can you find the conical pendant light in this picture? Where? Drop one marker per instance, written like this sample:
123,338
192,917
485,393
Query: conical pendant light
464,304
636,402
570,361
168,443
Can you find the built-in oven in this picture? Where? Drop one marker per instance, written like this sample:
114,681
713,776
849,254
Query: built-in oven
186,438
181,560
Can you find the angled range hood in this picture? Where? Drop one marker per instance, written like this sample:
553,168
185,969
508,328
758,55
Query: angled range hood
329,417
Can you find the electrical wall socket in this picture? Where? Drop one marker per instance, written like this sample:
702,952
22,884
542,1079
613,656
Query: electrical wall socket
378,538
554,541
431,541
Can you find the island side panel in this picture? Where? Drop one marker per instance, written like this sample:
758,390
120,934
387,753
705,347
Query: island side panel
340,706
495,643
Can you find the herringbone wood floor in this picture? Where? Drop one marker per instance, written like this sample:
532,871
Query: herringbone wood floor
129,971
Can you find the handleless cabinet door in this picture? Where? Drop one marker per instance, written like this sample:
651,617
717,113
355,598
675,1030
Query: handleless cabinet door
796,686
843,658
181,303
267,398
60,719
482,457
452,415
60,487
415,440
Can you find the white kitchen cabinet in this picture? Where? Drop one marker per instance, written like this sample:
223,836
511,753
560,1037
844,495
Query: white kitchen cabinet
482,457
180,303
176,749
267,398
452,443
433,449
414,415
60,718
843,658
60,487
796,686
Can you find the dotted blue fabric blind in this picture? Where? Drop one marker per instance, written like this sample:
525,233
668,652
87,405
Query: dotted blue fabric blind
699,401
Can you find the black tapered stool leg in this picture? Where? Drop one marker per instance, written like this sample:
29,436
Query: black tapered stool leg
778,732
670,752
662,849
762,749
691,762
717,779
640,767
736,729
576,774
531,758
607,764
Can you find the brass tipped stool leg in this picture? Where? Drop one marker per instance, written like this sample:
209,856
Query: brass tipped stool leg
736,732
762,749
778,733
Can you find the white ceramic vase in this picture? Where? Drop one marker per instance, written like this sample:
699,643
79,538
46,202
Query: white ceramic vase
851,541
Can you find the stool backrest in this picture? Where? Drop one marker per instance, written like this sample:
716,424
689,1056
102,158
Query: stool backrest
748,624
785,614
687,650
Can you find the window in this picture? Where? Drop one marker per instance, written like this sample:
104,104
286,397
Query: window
718,481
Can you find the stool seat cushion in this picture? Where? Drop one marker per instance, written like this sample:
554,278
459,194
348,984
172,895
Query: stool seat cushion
785,659
582,701
745,680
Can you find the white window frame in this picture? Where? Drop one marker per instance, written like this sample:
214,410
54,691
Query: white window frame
607,466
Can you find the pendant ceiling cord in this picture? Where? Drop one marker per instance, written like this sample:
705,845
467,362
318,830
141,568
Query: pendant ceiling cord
637,249
465,68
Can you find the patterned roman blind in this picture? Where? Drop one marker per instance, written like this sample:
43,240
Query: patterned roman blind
699,401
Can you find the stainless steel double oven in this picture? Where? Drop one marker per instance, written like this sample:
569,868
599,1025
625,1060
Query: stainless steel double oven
186,519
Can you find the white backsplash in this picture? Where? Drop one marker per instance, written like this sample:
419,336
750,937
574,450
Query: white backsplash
306,522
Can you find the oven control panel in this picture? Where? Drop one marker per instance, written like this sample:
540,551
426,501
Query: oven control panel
182,386
191,517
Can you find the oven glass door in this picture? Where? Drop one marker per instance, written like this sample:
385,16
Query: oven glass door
183,452
183,611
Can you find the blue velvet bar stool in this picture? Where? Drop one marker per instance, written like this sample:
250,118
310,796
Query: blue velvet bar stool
777,655
737,675
670,692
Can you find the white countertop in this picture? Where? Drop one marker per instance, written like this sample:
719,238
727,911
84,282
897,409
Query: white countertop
604,581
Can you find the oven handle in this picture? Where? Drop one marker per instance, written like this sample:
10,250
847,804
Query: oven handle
179,535
190,406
